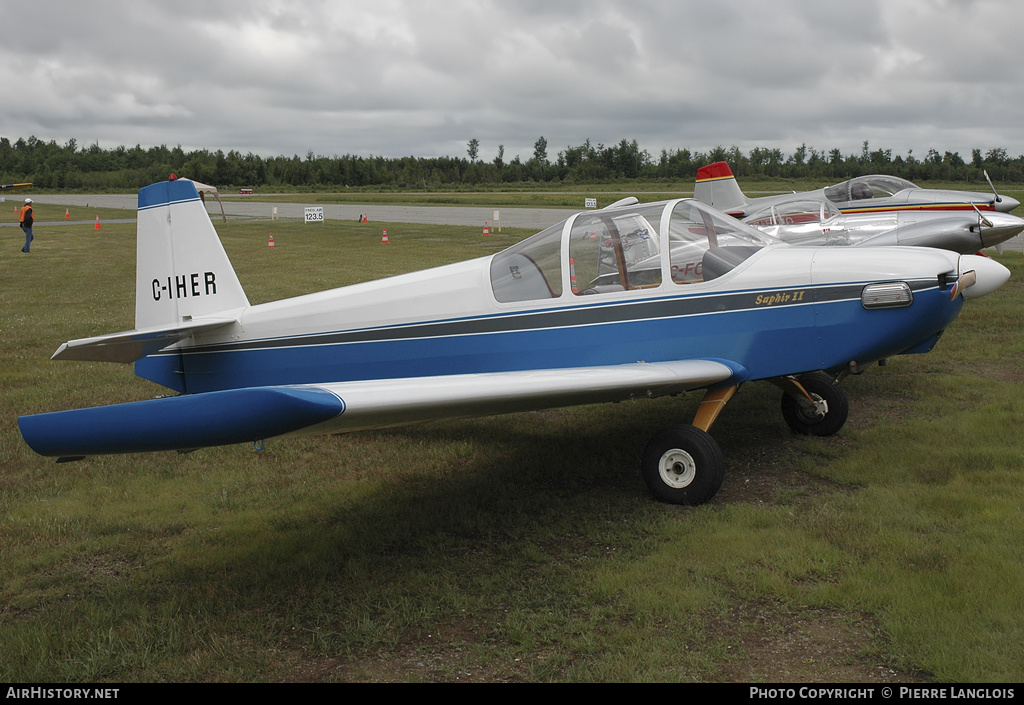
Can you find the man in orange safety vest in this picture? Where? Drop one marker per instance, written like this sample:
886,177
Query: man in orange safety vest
25,220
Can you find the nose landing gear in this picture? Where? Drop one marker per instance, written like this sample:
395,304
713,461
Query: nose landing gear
684,465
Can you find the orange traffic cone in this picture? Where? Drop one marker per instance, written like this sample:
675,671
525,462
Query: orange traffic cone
97,223
572,276
270,242
384,237
67,213
486,230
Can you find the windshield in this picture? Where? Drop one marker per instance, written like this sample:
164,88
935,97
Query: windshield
706,243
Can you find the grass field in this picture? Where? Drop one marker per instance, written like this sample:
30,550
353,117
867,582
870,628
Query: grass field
514,548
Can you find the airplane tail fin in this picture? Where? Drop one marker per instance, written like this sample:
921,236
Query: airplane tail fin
716,186
182,271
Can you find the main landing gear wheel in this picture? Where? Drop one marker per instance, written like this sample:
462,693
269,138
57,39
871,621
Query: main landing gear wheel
826,415
683,465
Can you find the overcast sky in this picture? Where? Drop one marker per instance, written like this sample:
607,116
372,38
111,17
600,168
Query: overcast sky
399,78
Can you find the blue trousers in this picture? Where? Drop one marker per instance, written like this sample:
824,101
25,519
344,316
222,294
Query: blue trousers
28,238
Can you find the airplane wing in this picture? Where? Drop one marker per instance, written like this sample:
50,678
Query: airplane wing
132,345
382,403
253,414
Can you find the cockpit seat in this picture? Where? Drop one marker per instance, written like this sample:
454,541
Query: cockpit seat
603,289
719,260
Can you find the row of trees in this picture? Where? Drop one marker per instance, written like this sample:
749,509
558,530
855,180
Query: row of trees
68,166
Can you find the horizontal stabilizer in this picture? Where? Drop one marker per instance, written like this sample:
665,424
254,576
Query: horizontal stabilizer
133,345
179,423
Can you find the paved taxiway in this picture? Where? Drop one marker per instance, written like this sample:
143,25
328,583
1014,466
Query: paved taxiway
529,218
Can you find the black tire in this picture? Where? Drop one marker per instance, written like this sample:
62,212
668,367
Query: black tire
683,465
806,421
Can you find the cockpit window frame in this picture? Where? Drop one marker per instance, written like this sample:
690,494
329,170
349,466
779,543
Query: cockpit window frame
517,276
793,212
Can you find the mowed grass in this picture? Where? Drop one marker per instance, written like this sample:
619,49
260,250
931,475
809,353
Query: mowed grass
521,547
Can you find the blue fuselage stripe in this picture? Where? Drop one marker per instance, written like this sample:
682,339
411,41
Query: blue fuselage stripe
767,340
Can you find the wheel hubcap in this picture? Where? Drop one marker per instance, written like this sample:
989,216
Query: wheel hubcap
813,411
677,468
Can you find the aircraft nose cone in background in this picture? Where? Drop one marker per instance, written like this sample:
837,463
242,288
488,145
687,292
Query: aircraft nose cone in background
1005,204
988,275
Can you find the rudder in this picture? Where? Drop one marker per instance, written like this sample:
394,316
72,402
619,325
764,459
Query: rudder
717,187
182,270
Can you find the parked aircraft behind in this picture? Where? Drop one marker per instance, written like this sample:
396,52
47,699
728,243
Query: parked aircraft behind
564,317
716,186
802,221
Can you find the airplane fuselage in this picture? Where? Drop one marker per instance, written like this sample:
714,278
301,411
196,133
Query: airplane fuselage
874,193
784,310
959,231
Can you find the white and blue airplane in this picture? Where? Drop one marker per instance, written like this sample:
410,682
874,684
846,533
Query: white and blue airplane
564,317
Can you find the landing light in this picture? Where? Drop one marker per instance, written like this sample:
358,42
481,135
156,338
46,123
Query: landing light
886,295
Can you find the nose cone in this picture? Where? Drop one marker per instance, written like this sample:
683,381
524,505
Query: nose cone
1005,204
1004,227
988,275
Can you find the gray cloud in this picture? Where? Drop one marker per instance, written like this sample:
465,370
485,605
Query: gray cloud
395,78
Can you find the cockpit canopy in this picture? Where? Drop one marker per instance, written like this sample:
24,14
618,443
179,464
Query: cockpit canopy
793,212
624,248
863,187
